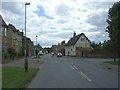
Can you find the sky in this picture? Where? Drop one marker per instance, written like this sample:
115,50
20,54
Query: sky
54,21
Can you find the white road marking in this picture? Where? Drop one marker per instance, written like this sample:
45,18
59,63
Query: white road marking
75,67
72,67
85,76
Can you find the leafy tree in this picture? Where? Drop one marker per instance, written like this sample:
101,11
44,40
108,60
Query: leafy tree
107,45
113,27
97,46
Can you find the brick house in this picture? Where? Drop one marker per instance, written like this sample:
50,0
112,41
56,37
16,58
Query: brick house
78,45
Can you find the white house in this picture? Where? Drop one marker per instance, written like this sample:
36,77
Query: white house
78,45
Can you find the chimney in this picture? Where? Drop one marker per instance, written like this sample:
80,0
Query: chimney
74,34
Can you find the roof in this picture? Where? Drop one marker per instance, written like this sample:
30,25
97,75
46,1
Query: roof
73,40
38,46
12,27
2,22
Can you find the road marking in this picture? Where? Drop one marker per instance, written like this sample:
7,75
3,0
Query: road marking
85,76
72,67
75,67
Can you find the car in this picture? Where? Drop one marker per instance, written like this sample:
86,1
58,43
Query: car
52,53
59,54
40,53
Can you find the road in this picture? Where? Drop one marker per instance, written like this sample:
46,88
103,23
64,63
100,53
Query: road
73,72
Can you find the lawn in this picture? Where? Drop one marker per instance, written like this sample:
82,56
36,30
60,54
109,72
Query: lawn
114,63
14,77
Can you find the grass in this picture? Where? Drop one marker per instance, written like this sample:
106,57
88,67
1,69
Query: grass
114,63
36,58
0,77
14,77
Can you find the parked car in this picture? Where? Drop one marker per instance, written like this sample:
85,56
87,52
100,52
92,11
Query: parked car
52,53
40,53
59,54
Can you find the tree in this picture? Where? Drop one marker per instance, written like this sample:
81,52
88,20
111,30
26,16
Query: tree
97,46
113,27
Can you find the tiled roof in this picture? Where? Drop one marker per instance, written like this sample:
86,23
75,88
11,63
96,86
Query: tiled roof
73,40
2,22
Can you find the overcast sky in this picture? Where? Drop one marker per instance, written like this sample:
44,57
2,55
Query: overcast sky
55,20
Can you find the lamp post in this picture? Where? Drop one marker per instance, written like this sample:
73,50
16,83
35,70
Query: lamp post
36,39
36,46
26,60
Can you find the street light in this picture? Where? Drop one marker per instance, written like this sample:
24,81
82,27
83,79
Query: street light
36,39
36,46
26,60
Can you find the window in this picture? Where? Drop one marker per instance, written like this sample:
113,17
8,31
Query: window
82,39
5,31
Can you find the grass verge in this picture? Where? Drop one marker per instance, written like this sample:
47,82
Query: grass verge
36,58
14,77
114,63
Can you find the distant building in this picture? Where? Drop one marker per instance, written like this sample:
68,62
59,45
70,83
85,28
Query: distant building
38,47
45,51
59,48
54,49
78,45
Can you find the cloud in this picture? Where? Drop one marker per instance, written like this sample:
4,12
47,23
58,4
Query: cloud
15,7
98,5
63,11
55,20
98,19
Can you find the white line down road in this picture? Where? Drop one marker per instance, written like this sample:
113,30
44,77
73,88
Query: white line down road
85,76
80,72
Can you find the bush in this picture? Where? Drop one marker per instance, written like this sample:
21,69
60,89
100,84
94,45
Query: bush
7,55
11,53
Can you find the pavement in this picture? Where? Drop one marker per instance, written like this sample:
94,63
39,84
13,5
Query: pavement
20,63
74,72
111,67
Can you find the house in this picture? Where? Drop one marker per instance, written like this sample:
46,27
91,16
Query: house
3,41
59,48
54,49
14,38
30,50
78,45
38,47
45,51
